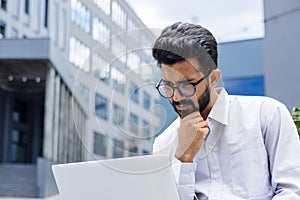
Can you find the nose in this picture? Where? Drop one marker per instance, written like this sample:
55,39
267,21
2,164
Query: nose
177,96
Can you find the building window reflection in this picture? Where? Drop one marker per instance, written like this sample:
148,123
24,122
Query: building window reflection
118,15
146,100
101,32
80,15
134,92
2,29
99,144
118,79
134,122
79,54
101,106
104,5
100,67
118,151
118,115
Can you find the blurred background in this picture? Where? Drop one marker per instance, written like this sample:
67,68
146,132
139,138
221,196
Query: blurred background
77,76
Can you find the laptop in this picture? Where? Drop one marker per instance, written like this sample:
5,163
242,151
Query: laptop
146,177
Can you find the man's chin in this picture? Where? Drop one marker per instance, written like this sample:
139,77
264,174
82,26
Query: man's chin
183,113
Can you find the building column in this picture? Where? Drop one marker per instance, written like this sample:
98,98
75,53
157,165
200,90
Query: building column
49,114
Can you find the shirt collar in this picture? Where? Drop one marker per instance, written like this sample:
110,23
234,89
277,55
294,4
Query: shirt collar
219,111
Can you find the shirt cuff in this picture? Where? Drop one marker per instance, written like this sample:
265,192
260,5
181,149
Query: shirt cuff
184,172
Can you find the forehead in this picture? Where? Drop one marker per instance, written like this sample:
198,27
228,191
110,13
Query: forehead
186,69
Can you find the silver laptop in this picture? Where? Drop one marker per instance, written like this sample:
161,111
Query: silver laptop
133,178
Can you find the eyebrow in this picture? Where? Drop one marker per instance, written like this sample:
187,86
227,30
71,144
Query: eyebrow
179,82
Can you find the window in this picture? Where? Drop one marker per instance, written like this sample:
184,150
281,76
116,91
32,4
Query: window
118,48
118,115
26,7
118,148
133,151
79,54
118,15
134,93
100,68
146,101
133,60
99,144
119,80
104,5
80,15
101,106
3,4
46,13
101,32
2,29
146,128
134,122
132,27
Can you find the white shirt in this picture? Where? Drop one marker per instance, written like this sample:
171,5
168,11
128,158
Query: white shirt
251,152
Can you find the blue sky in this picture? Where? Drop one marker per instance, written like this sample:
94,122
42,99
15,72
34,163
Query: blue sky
228,20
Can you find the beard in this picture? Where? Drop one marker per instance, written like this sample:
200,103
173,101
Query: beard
203,102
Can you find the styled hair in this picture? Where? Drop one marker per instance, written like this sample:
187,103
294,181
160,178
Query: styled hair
181,41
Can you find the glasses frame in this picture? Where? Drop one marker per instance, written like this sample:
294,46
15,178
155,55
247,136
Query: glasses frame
177,87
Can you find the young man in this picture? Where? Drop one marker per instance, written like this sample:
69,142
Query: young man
221,146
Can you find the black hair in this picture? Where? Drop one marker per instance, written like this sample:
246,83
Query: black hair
181,41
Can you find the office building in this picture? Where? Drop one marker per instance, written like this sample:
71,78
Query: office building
76,83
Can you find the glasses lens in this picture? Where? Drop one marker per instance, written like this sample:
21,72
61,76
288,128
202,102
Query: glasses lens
186,89
165,90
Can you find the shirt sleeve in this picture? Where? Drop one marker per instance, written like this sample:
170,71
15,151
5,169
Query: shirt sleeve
185,178
283,147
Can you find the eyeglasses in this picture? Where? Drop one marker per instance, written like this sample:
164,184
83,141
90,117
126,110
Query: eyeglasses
185,88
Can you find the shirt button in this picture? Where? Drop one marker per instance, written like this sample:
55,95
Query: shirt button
192,173
213,198
210,147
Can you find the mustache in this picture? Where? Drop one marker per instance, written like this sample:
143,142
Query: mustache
182,102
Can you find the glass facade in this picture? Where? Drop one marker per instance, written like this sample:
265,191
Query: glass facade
101,106
80,15
146,100
118,15
2,29
134,92
133,60
118,115
118,80
134,122
100,68
104,5
101,32
118,149
118,48
3,4
79,54
99,144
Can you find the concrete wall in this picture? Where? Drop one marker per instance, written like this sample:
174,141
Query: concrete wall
281,51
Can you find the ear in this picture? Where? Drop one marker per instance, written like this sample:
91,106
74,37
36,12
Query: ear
214,77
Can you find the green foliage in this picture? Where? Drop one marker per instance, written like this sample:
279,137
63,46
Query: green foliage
296,118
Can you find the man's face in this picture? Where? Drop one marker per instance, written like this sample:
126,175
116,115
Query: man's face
186,71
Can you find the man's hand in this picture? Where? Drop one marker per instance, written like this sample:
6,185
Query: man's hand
191,133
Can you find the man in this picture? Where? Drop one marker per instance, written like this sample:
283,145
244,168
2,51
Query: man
221,146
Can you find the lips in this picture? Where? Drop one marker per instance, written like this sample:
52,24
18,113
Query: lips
182,106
